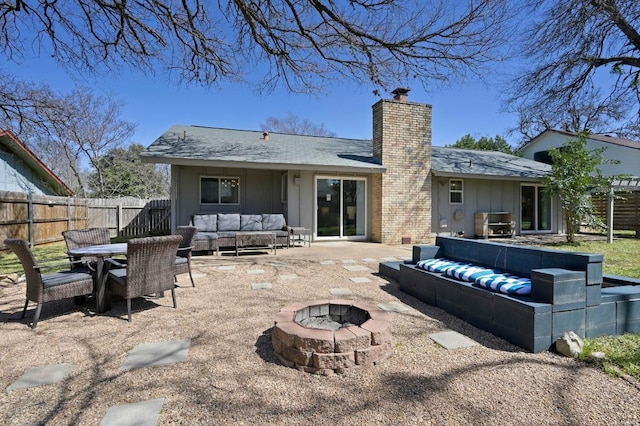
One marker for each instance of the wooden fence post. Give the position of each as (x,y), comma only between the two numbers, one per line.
(119,219)
(30,217)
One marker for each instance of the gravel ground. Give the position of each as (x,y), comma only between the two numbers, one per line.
(231,375)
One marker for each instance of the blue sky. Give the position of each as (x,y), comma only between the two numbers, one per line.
(154,105)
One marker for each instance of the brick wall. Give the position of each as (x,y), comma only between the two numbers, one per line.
(401,197)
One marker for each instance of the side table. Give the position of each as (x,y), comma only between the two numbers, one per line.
(299,233)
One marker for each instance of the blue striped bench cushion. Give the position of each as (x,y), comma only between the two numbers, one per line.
(437,265)
(505,283)
(469,273)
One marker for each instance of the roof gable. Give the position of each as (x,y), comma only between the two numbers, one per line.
(11,142)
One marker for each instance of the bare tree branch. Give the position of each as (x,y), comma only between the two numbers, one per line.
(302,44)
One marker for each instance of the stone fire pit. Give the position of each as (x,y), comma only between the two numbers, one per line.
(331,336)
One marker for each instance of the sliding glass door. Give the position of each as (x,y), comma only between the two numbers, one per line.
(340,207)
(535,213)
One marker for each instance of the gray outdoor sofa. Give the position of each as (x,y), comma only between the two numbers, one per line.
(218,230)
(555,291)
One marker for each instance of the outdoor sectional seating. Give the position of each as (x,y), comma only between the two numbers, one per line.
(564,290)
(217,230)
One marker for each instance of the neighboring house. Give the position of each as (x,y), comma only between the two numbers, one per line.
(393,189)
(21,171)
(627,152)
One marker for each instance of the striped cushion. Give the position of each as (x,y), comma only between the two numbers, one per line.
(437,265)
(505,283)
(469,273)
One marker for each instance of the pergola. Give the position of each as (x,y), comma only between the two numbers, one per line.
(631,183)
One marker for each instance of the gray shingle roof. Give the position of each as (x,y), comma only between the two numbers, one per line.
(454,161)
(208,146)
(195,144)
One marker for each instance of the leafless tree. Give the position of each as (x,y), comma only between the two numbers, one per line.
(295,125)
(72,131)
(589,113)
(584,58)
(302,44)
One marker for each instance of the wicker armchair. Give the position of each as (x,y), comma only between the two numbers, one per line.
(75,238)
(183,258)
(46,287)
(150,269)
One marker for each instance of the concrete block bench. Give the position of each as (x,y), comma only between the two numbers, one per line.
(563,286)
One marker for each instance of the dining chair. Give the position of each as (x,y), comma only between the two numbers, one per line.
(183,256)
(46,287)
(149,270)
(76,238)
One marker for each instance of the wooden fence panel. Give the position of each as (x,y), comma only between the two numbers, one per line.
(626,210)
(41,219)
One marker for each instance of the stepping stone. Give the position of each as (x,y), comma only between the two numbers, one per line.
(277,264)
(255,271)
(39,376)
(369,259)
(227,268)
(356,268)
(155,354)
(393,307)
(348,261)
(360,280)
(144,413)
(261,286)
(288,276)
(342,291)
(389,259)
(198,275)
(327,262)
(452,340)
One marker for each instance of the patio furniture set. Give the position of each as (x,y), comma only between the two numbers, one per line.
(245,232)
(528,296)
(96,266)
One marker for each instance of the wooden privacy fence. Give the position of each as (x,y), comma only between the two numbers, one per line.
(626,210)
(41,219)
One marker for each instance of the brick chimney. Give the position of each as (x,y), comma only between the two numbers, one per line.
(401,197)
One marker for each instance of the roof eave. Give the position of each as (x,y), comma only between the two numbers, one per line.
(263,166)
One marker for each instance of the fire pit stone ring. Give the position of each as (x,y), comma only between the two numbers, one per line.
(331,336)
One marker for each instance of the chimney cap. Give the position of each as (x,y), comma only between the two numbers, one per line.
(265,136)
(401,93)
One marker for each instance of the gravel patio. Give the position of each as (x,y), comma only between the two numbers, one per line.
(231,375)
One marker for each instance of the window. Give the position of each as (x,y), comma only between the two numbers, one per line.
(219,190)
(455,191)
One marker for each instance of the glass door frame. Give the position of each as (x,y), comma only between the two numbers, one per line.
(341,235)
(536,209)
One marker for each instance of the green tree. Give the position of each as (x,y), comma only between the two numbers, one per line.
(124,174)
(575,176)
(483,144)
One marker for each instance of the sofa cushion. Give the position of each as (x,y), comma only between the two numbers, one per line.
(273,222)
(469,273)
(228,221)
(206,236)
(251,222)
(505,283)
(206,222)
(437,265)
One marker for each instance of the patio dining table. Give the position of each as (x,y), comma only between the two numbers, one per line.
(101,252)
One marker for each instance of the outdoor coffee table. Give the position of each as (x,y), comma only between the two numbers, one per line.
(303,234)
(255,241)
(100,252)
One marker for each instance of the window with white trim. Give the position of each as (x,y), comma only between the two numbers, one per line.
(455,191)
(219,190)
